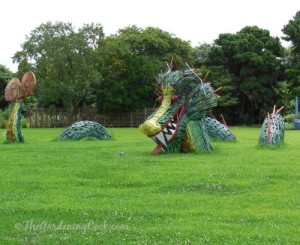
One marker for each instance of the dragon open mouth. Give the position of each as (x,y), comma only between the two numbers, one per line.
(168,132)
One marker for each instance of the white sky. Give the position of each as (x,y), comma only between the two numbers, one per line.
(198,21)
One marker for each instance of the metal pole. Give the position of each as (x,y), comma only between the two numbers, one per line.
(297,107)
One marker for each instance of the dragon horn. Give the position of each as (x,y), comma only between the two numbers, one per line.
(279,109)
(202,85)
(205,78)
(274,108)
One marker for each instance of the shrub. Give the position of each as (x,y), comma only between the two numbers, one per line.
(24,122)
(289,118)
(4,116)
(3,122)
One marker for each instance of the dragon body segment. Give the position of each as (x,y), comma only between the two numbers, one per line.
(272,130)
(13,132)
(84,130)
(181,123)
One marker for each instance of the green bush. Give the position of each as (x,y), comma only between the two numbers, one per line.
(288,126)
(24,122)
(3,122)
(289,118)
(4,116)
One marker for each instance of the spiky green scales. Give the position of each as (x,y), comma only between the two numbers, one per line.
(196,138)
(217,130)
(13,132)
(272,131)
(85,130)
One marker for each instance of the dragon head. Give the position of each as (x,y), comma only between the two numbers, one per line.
(186,100)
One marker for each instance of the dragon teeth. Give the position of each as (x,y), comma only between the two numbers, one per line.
(168,136)
(160,137)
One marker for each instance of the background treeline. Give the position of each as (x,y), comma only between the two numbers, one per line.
(82,68)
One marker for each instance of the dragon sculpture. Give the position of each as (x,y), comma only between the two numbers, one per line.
(272,130)
(17,90)
(182,122)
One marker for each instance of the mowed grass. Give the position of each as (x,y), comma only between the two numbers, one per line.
(84,192)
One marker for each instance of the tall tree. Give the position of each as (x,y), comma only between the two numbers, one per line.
(220,79)
(200,53)
(65,62)
(5,76)
(292,34)
(253,61)
(132,59)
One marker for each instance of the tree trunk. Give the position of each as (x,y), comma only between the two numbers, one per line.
(242,108)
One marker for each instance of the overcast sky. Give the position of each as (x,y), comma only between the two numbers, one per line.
(197,21)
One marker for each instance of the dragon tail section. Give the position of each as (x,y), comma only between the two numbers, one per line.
(218,130)
(196,138)
(13,132)
(272,130)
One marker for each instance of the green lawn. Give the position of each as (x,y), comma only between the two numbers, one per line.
(57,192)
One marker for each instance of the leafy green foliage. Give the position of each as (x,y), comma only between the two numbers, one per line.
(292,33)
(200,54)
(65,62)
(289,118)
(132,58)
(252,59)
(5,76)
(4,116)
(222,82)
(82,68)
(292,62)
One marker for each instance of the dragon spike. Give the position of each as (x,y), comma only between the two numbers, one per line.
(192,70)
(170,67)
(223,121)
(268,128)
(274,108)
(218,89)
(279,110)
(206,76)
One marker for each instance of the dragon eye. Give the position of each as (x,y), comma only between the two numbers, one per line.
(174,98)
(160,99)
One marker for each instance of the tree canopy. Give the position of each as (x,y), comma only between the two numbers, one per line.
(252,59)
(65,62)
(5,76)
(131,59)
(80,67)
(292,34)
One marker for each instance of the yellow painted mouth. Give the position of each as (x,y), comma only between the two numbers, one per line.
(151,127)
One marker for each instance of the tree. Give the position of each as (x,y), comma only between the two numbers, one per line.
(132,59)
(200,54)
(65,62)
(220,79)
(5,76)
(292,61)
(292,33)
(253,61)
